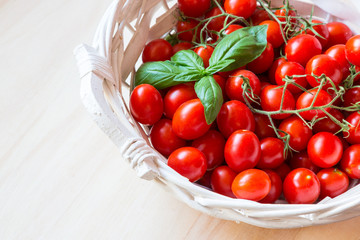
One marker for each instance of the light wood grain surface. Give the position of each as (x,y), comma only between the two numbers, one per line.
(60,176)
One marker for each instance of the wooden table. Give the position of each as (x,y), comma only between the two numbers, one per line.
(60,176)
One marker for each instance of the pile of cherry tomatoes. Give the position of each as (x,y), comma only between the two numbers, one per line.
(248,152)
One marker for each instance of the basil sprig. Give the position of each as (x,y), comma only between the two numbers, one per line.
(233,51)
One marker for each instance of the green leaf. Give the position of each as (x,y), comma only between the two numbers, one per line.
(242,46)
(161,74)
(210,95)
(219,66)
(188,59)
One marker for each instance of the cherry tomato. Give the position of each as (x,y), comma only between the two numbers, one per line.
(176,96)
(157,50)
(302,160)
(338,53)
(146,104)
(221,180)
(234,115)
(262,63)
(216,24)
(353,137)
(325,149)
(323,64)
(221,81)
(232,28)
(299,132)
(322,30)
(251,184)
(290,69)
(205,180)
(242,150)
(262,126)
(164,139)
(327,125)
(204,53)
(333,182)
(188,162)
(301,48)
(283,170)
(189,120)
(305,100)
(182,46)
(186,30)
(301,186)
(339,33)
(194,8)
(211,144)
(353,50)
(276,187)
(351,96)
(274,33)
(350,163)
(271,98)
(272,153)
(273,68)
(233,86)
(240,8)
(259,16)
(283,13)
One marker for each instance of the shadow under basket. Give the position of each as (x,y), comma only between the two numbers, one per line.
(107,68)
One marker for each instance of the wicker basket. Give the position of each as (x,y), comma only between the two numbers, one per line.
(107,69)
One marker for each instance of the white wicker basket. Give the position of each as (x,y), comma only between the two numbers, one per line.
(107,68)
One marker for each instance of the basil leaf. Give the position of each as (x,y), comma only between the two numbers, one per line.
(242,46)
(219,66)
(210,95)
(160,74)
(188,59)
(188,76)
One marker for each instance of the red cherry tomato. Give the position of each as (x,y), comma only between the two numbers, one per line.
(353,50)
(262,63)
(194,8)
(182,46)
(333,182)
(274,33)
(273,68)
(157,50)
(350,163)
(353,137)
(322,30)
(259,16)
(232,28)
(205,180)
(146,104)
(305,100)
(271,97)
(211,144)
(221,81)
(189,120)
(301,48)
(327,125)
(302,160)
(234,115)
(323,64)
(338,53)
(276,187)
(262,129)
(299,132)
(251,184)
(186,30)
(221,180)
(176,96)
(216,24)
(325,149)
(272,153)
(290,69)
(283,13)
(188,162)
(204,53)
(283,170)
(240,8)
(242,150)
(301,186)
(339,33)
(233,86)
(164,139)
(351,96)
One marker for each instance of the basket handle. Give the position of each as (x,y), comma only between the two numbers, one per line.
(94,70)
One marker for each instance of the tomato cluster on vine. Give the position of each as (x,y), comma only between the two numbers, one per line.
(289,124)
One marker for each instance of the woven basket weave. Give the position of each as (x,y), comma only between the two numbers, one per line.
(107,69)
